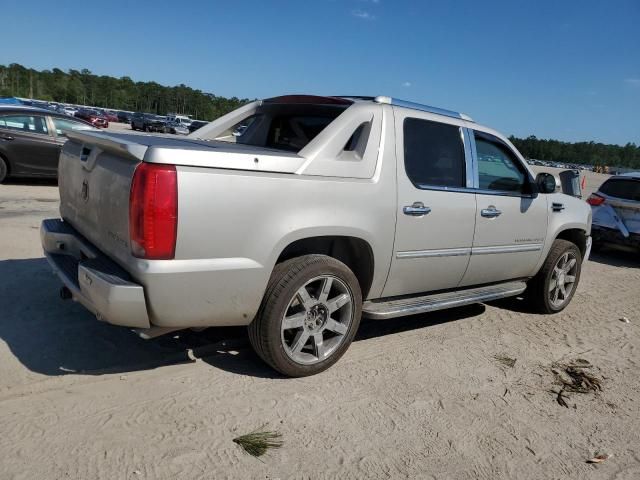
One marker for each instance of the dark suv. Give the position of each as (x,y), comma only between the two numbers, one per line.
(147,122)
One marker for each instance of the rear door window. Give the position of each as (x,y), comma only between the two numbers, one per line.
(622,188)
(433,154)
(64,124)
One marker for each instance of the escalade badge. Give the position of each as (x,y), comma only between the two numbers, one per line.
(85,191)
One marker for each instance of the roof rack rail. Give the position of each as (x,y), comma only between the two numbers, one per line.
(423,108)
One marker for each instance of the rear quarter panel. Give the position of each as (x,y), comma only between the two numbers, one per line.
(233,225)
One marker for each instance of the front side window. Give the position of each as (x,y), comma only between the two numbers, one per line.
(64,124)
(498,167)
(433,154)
(24,123)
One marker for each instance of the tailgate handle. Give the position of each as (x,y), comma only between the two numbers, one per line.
(84,155)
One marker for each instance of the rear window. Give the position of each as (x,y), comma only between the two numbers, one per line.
(288,127)
(622,188)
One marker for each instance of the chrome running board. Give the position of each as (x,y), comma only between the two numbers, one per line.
(399,307)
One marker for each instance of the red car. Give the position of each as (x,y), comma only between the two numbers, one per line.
(110,116)
(93,117)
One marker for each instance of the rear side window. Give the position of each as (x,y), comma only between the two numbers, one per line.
(27,124)
(619,188)
(64,124)
(433,154)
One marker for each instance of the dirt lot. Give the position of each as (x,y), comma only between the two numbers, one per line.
(420,397)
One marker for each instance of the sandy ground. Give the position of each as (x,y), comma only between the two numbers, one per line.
(419,397)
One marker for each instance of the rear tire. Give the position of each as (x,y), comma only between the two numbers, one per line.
(309,315)
(4,170)
(552,289)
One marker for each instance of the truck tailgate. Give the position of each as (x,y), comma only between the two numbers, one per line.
(94,177)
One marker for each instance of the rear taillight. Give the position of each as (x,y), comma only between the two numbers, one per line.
(595,199)
(153,211)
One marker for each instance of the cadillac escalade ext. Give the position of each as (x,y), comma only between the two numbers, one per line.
(298,215)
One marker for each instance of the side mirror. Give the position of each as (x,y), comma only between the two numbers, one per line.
(546,183)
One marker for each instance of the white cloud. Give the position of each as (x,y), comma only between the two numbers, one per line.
(406,84)
(364,15)
(633,81)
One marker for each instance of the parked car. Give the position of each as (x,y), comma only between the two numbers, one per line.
(176,128)
(324,210)
(31,139)
(196,124)
(93,117)
(180,119)
(124,117)
(616,211)
(110,116)
(147,122)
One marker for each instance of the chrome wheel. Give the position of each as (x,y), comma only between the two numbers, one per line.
(563,279)
(317,319)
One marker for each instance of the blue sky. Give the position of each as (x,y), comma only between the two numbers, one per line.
(555,69)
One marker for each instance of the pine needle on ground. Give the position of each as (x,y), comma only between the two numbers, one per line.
(506,361)
(257,443)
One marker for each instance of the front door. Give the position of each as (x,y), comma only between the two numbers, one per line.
(511,220)
(30,146)
(436,214)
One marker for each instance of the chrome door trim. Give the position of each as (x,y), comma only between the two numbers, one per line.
(444,252)
(529,247)
(474,158)
(468,157)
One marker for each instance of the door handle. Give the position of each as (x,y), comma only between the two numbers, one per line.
(416,210)
(490,212)
(7,137)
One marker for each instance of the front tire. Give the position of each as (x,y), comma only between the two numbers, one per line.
(309,315)
(551,290)
(4,170)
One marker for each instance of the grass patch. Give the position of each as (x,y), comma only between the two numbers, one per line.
(257,443)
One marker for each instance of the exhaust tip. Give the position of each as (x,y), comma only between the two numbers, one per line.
(65,293)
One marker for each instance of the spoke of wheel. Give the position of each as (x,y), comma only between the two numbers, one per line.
(326,288)
(318,342)
(569,265)
(337,302)
(300,341)
(553,284)
(563,261)
(336,327)
(305,298)
(563,291)
(293,321)
(554,296)
(569,278)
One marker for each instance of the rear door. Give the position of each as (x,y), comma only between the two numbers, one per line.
(436,212)
(511,220)
(29,144)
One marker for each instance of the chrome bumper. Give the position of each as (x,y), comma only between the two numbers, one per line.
(93,279)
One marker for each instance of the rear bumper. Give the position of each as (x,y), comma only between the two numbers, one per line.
(614,236)
(94,280)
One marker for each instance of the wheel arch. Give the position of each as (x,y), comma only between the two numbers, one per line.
(354,252)
(577,236)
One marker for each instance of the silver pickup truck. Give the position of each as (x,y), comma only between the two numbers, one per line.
(297,215)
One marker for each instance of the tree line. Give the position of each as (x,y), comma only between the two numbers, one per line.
(81,87)
(590,153)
